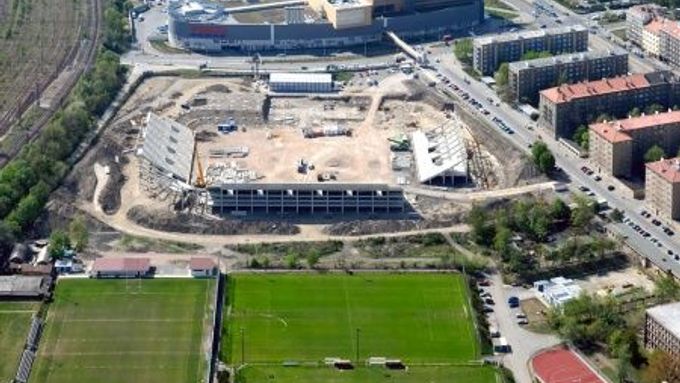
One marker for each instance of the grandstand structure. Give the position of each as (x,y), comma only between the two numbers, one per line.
(440,155)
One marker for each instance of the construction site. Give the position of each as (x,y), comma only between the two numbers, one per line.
(225,147)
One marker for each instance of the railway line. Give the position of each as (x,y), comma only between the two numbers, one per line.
(82,59)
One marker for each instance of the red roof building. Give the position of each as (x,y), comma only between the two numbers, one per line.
(114,267)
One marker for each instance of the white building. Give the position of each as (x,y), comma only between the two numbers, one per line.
(557,291)
(440,155)
(301,82)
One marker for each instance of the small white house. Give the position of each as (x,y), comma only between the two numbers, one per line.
(557,291)
(202,267)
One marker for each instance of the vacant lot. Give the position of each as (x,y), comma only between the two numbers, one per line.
(35,38)
(125,331)
(15,319)
(418,318)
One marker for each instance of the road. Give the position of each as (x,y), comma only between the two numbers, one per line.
(524,343)
(570,164)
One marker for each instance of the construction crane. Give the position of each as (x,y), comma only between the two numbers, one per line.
(200,177)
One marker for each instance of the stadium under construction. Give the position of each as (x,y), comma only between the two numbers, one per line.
(339,170)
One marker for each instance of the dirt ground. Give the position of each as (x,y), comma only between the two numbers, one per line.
(271,130)
(617,282)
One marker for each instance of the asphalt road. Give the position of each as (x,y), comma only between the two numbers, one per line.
(570,164)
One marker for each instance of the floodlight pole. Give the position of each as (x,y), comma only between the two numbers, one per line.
(243,347)
(358,331)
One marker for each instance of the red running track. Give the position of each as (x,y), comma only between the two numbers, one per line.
(563,366)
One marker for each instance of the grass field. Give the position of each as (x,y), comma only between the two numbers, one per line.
(15,319)
(417,374)
(125,331)
(418,318)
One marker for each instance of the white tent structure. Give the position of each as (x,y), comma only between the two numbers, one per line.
(439,154)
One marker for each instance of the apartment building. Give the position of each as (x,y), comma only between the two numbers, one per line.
(618,147)
(651,37)
(490,51)
(662,328)
(662,188)
(565,107)
(527,78)
(636,19)
(669,42)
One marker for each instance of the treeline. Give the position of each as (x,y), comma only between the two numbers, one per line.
(27,180)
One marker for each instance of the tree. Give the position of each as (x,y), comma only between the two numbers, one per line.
(532,55)
(291,260)
(582,136)
(661,367)
(616,215)
(655,153)
(502,74)
(462,49)
(78,233)
(654,108)
(635,112)
(313,259)
(587,320)
(667,289)
(583,213)
(542,157)
(501,239)
(603,117)
(59,242)
(482,231)
(559,211)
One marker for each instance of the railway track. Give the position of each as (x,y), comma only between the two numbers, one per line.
(83,61)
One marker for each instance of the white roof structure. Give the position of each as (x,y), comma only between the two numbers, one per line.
(668,316)
(169,146)
(557,291)
(439,152)
(317,78)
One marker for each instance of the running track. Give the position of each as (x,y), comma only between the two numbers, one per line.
(561,365)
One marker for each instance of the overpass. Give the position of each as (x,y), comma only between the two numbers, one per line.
(420,58)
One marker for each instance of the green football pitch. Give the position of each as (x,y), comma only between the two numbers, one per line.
(118,331)
(418,318)
(15,319)
(414,374)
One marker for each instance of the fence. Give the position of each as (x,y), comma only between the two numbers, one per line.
(28,356)
(216,328)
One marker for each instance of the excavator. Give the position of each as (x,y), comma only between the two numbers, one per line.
(399,143)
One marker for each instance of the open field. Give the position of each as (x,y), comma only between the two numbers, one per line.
(125,331)
(417,374)
(15,319)
(418,318)
(35,39)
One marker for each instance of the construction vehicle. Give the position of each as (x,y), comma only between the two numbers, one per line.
(399,143)
(200,176)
